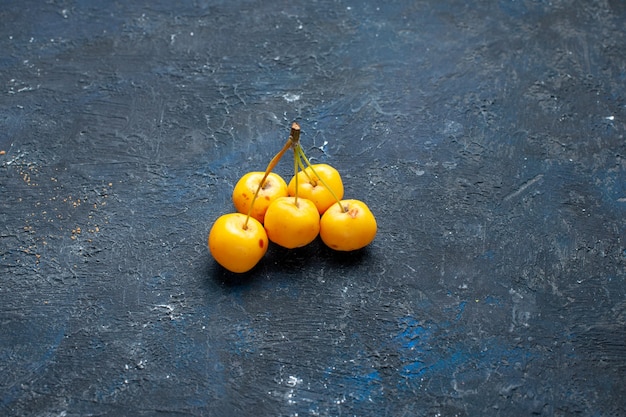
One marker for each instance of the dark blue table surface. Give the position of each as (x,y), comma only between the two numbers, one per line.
(486,136)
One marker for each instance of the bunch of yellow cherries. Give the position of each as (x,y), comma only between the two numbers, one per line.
(289,215)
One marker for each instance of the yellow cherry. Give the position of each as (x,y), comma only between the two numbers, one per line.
(311,187)
(292,224)
(348,227)
(235,247)
(273,187)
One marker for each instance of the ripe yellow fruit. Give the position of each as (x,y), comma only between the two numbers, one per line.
(273,187)
(349,227)
(235,248)
(311,187)
(292,225)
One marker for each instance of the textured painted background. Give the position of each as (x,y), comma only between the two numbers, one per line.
(487,137)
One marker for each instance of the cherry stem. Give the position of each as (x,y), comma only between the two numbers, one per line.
(308,163)
(292,142)
(296,163)
(303,169)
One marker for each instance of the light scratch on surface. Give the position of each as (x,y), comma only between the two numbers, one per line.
(291,97)
(523,187)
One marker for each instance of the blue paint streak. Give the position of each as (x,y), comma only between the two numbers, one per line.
(461,309)
(426,360)
(414,333)
(492,301)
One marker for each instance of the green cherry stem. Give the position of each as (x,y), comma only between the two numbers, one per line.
(296,163)
(292,142)
(303,169)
